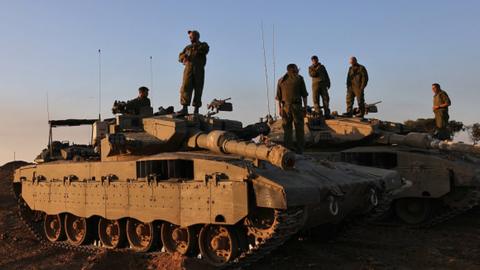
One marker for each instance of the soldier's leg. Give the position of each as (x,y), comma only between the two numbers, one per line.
(316,96)
(299,128)
(439,125)
(445,134)
(325,101)
(187,87)
(199,80)
(350,98)
(287,127)
(360,94)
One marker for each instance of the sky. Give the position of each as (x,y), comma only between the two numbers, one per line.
(52,47)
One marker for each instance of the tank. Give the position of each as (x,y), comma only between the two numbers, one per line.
(193,184)
(444,175)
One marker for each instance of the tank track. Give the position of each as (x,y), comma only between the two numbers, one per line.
(382,209)
(374,215)
(452,210)
(289,222)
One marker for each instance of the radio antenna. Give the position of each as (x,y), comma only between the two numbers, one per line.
(50,135)
(266,70)
(274,74)
(99,85)
(151,73)
(48,109)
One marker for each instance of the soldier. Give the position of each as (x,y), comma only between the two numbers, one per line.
(441,102)
(320,85)
(357,79)
(194,57)
(135,105)
(291,91)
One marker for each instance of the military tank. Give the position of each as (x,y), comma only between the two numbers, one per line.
(444,175)
(192,184)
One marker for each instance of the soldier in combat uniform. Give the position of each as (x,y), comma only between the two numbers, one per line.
(194,57)
(357,79)
(320,85)
(441,102)
(135,105)
(291,92)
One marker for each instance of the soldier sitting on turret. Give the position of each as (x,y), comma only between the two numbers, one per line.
(137,105)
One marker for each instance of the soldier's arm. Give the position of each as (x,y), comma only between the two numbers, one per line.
(304,93)
(327,77)
(279,98)
(203,48)
(365,78)
(311,72)
(182,56)
(445,100)
(349,83)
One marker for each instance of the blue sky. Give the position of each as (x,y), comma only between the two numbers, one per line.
(51,46)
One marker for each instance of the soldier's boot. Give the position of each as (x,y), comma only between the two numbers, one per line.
(327,113)
(183,111)
(361,112)
(348,113)
(195,111)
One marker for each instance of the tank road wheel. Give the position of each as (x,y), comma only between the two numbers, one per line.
(413,210)
(178,239)
(142,237)
(53,228)
(111,233)
(260,225)
(76,229)
(218,244)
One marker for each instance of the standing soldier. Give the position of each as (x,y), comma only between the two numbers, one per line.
(441,102)
(194,57)
(357,79)
(320,86)
(291,91)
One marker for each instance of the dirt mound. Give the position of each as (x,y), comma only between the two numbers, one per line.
(10,167)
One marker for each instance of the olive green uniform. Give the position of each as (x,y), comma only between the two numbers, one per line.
(320,86)
(441,114)
(290,91)
(135,105)
(357,79)
(195,57)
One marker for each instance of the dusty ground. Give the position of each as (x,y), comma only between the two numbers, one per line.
(452,245)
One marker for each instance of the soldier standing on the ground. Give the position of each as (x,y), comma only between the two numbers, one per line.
(357,79)
(320,85)
(194,57)
(291,92)
(441,102)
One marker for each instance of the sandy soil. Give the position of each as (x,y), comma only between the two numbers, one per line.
(452,245)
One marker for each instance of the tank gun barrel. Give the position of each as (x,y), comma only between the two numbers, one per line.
(223,142)
(425,141)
